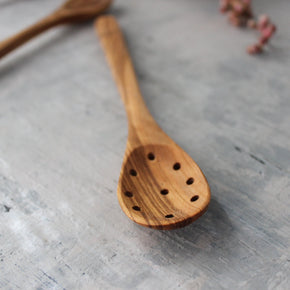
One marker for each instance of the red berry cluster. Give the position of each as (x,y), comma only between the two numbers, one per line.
(240,14)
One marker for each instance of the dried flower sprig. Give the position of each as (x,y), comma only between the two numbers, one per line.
(240,14)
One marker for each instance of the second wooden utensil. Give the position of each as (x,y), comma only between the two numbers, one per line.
(160,186)
(71,11)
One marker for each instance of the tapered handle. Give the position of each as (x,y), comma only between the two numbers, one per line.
(121,65)
(20,38)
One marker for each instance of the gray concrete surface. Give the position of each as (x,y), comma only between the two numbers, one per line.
(62,139)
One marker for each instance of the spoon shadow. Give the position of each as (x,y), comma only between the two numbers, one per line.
(208,238)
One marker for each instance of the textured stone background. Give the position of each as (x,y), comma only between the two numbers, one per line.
(63,133)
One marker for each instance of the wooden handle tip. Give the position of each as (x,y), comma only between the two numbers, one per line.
(106,24)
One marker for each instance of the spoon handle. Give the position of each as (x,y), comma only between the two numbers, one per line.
(20,38)
(121,65)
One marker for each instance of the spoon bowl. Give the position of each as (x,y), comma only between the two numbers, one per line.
(160,186)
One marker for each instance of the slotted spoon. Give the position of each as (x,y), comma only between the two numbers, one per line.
(160,186)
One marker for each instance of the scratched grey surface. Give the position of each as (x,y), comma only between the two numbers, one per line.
(63,133)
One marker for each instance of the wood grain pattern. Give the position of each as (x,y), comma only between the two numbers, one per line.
(160,186)
(71,11)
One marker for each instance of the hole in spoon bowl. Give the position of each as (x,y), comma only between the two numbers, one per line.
(169,216)
(137,208)
(164,191)
(133,172)
(128,194)
(151,156)
(190,181)
(176,166)
(194,198)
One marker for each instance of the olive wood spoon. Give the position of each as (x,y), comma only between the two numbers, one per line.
(160,186)
(70,11)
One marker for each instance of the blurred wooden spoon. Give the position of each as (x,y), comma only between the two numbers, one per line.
(71,11)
